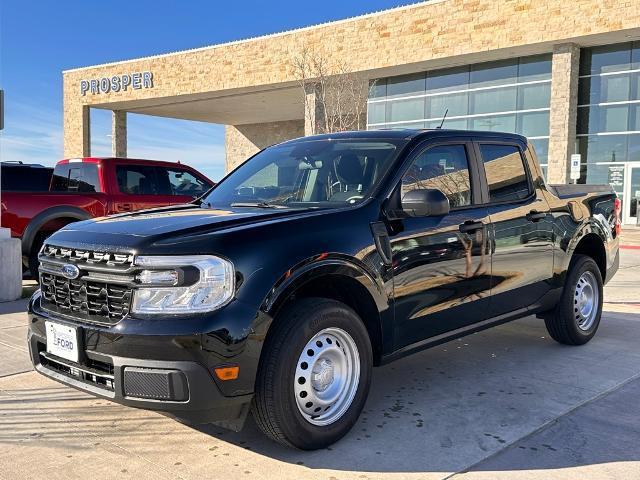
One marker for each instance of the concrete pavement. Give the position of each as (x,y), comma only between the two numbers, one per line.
(503,403)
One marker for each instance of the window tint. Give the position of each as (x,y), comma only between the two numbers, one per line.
(75,177)
(25,179)
(445,168)
(185,183)
(506,176)
(138,180)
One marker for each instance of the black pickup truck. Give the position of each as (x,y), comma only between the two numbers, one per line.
(314,261)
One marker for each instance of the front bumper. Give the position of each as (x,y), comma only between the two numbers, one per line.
(167,371)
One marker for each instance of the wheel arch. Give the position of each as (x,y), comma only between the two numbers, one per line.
(75,214)
(342,280)
(591,245)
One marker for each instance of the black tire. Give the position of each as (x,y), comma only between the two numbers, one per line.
(564,323)
(34,263)
(274,406)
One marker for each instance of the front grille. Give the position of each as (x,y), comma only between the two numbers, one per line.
(100,294)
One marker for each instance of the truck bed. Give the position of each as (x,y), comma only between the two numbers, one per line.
(578,190)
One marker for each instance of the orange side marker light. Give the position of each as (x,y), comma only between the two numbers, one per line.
(227,373)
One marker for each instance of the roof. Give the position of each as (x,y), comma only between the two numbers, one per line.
(407,134)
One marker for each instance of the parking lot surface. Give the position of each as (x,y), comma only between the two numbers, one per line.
(504,403)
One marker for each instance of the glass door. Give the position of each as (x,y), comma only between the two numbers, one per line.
(633,195)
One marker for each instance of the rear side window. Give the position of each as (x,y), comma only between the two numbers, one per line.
(138,180)
(445,168)
(25,179)
(506,176)
(75,177)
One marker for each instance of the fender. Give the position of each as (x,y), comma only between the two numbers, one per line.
(45,216)
(591,226)
(333,264)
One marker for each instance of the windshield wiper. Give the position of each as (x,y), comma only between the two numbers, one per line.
(256,205)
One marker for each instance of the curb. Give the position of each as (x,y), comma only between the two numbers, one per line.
(630,247)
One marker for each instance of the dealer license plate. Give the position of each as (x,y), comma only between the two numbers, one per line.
(62,341)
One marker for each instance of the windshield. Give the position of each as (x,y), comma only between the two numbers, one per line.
(321,173)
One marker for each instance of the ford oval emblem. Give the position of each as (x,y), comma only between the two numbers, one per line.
(70,271)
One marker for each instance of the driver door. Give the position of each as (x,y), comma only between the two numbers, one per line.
(442,265)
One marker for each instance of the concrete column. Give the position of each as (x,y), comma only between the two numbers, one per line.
(314,113)
(119,134)
(242,141)
(564,110)
(77,131)
(10,266)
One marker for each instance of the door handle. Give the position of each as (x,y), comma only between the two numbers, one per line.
(535,216)
(124,207)
(470,226)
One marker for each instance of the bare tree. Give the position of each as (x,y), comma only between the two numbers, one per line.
(334,96)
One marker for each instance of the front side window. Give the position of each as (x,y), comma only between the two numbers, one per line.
(506,176)
(185,183)
(313,173)
(445,168)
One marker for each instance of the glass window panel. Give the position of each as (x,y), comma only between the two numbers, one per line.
(456,103)
(603,148)
(533,124)
(541,146)
(401,110)
(494,73)
(406,85)
(589,90)
(494,100)
(534,96)
(445,168)
(635,86)
(534,68)
(498,123)
(633,154)
(608,58)
(597,119)
(634,117)
(544,171)
(448,80)
(376,112)
(635,56)
(378,88)
(453,124)
(615,88)
(411,125)
(506,177)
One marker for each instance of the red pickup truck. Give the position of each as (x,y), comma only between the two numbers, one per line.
(84,188)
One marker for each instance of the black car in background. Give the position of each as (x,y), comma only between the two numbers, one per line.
(309,264)
(24,177)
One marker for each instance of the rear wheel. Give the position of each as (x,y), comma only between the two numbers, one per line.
(314,374)
(577,315)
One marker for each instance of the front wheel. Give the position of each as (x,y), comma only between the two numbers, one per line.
(577,315)
(314,374)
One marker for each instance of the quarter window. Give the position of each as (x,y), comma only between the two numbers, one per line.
(445,168)
(506,176)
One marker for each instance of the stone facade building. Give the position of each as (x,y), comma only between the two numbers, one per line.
(565,74)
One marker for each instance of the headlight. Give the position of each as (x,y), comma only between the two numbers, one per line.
(213,286)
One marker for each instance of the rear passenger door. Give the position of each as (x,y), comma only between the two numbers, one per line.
(522,235)
(441,265)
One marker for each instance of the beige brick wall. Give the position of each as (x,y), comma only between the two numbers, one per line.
(119,134)
(242,141)
(563,110)
(418,37)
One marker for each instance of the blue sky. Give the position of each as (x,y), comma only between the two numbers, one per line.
(41,38)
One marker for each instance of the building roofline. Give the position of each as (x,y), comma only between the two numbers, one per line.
(261,37)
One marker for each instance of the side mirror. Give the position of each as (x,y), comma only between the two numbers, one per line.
(425,202)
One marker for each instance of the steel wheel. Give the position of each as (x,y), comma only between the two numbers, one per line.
(327,376)
(586,298)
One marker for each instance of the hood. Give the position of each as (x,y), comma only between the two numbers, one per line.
(132,230)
